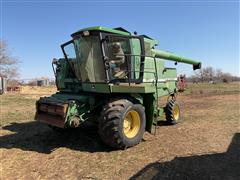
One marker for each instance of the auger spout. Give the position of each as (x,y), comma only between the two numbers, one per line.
(172,57)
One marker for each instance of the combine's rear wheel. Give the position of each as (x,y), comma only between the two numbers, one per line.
(173,114)
(122,124)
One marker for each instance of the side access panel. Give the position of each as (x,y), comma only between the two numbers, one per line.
(166,85)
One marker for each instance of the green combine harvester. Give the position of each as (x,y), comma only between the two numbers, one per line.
(115,79)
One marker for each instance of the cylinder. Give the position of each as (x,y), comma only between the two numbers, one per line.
(172,57)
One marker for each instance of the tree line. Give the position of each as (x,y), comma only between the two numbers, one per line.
(211,75)
(9,65)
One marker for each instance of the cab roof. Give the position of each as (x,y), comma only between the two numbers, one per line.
(119,30)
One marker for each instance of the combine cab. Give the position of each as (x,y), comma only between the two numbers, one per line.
(115,79)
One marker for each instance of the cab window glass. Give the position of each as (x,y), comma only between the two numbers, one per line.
(72,58)
(90,63)
(123,57)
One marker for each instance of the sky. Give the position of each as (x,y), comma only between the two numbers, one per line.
(203,30)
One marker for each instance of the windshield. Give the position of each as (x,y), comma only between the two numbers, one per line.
(85,58)
(124,57)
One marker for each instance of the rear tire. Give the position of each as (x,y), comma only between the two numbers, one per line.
(173,114)
(122,124)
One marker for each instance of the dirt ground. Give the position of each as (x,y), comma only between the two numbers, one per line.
(205,146)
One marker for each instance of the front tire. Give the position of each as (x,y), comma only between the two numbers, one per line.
(122,124)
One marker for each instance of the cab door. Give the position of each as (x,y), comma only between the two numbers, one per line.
(124,58)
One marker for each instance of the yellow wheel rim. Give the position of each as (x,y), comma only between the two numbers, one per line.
(176,112)
(131,124)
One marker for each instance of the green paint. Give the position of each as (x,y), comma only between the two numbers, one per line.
(98,88)
(169,56)
(133,88)
(76,109)
(82,82)
(105,29)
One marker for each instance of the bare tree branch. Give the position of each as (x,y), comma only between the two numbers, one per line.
(9,66)
(209,74)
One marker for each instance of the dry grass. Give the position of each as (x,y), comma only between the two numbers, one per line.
(193,149)
(20,106)
(36,90)
(213,89)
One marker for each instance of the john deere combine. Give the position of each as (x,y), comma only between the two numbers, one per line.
(115,79)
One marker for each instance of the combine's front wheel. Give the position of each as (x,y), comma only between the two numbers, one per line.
(122,124)
(173,114)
